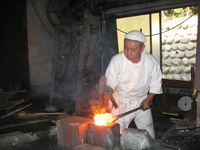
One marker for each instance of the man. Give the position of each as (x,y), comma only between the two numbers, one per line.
(133,79)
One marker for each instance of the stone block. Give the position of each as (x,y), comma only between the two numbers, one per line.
(193,61)
(174,47)
(172,70)
(167,62)
(106,136)
(173,54)
(163,48)
(179,69)
(165,55)
(169,76)
(190,46)
(185,61)
(187,70)
(72,131)
(163,41)
(180,54)
(181,47)
(165,69)
(185,40)
(177,39)
(169,40)
(89,137)
(135,139)
(168,48)
(176,76)
(190,54)
(193,38)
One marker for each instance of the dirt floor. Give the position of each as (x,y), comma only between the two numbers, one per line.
(44,143)
(44,140)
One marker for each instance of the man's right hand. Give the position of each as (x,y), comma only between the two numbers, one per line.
(107,94)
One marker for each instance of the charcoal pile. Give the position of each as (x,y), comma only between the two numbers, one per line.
(185,142)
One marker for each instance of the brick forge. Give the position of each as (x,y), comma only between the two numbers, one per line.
(75,130)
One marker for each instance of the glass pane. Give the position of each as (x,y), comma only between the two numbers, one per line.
(155,29)
(179,40)
(133,23)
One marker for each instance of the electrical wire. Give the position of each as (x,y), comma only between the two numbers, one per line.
(40,19)
(121,31)
(169,29)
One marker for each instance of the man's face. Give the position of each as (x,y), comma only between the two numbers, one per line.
(132,50)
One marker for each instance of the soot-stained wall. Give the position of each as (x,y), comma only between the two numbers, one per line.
(14,65)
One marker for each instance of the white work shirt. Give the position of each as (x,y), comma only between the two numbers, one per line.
(131,84)
(127,84)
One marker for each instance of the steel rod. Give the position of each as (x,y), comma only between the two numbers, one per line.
(128,112)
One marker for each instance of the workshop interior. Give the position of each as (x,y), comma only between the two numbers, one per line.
(53,59)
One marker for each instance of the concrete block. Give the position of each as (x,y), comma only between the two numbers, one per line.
(89,137)
(135,139)
(106,136)
(88,147)
(72,131)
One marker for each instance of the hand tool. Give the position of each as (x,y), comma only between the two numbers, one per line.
(128,112)
(101,89)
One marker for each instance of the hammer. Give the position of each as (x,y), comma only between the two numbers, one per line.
(101,89)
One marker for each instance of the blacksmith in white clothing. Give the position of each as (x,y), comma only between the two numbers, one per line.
(133,79)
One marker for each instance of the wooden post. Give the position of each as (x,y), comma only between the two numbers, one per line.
(198,110)
(197,71)
(53,74)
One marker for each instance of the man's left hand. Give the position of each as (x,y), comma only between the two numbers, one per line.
(147,102)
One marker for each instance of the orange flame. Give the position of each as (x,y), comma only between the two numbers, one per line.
(103,119)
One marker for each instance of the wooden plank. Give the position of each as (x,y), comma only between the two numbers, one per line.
(176,83)
(173,83)
(13,112)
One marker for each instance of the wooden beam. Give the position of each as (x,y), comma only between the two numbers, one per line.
(150,7)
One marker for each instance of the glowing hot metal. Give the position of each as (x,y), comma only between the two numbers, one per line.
(103,119)
(107,118)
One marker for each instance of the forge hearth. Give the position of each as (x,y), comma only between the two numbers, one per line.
(75,130)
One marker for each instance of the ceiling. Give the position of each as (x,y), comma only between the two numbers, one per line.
(122,8)
(119,3)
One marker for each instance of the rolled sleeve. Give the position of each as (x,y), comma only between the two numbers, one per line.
(111,73)
(156,79)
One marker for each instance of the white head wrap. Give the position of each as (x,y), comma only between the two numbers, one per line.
(136,35)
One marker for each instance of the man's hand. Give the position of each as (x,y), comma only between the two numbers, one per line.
(107,94)
(147,102)
(108,91)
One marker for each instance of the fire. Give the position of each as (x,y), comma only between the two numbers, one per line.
(103,119)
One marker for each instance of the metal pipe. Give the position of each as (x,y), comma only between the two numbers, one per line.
(128,112)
